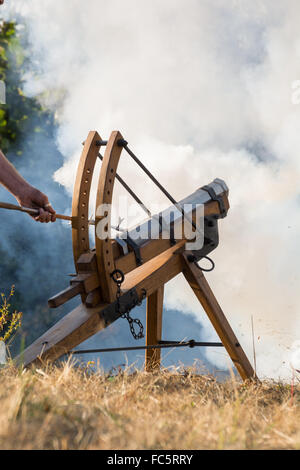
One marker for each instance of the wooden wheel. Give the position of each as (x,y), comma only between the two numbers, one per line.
(101,262)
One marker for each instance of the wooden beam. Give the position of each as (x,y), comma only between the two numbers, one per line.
(84,322)
(201,288)
(156,272)
(65,295)
(154,328)
(71,330)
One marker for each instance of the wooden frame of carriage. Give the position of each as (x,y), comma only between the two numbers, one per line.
(119,273)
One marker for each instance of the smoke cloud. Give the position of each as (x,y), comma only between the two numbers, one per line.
(200,90)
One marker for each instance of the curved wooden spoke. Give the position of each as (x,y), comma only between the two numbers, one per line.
(104,249)
(81,196)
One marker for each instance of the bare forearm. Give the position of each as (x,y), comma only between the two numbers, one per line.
(26,195)
(11,179)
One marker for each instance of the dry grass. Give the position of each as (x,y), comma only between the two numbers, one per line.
(66,408)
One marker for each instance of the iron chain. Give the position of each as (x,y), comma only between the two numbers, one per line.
(118,277)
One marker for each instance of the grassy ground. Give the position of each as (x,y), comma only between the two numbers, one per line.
(66,408)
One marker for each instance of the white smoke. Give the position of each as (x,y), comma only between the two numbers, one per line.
(200,90)
(295,356)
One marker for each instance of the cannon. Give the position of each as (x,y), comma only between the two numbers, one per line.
(116,273)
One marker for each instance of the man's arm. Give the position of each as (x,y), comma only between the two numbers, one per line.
(26,195)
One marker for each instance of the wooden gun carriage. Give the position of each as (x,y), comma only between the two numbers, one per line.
(118,273)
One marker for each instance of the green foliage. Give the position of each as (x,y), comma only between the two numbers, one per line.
(9,322)
(15,117)
(26,127)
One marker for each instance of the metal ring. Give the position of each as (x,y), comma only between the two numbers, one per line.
(114,275)
(203,269)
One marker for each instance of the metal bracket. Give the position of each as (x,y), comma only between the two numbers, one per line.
(115,310)
(123,245)
(136,250)
(172,235)
(215,197)
(211,238)
(169,227)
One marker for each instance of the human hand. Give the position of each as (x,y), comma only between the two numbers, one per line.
(34,199)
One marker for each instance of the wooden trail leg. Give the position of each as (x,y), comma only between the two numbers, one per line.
(201,288)
(154,328)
